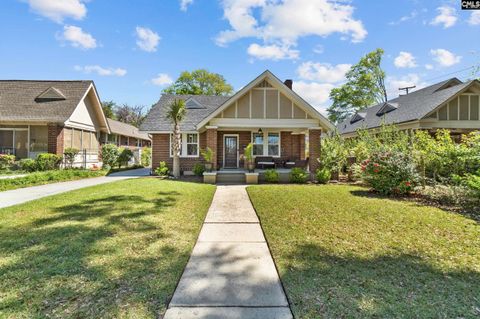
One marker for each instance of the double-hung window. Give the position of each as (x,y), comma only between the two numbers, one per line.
(188,145)
(266,144)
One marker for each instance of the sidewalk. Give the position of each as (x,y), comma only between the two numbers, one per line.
(22,195)
(230,273)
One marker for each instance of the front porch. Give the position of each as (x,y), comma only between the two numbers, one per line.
(239,175)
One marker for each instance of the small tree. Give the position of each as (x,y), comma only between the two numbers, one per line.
(146,156)
(248,154)
(69,154)
(176,114)
(109,155)
(124,156)
(207,155)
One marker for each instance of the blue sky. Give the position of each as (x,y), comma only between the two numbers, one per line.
(133,49)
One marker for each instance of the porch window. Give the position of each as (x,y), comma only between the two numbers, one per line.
(257,144)
(273,144)
(188,145)
(38,139)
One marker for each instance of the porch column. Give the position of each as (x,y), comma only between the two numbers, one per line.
(55,139)
(314,148)
(301,144)
(212,143)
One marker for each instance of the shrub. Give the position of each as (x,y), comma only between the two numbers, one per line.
(472,182)
(109,155)
(6,161)
(271,176)
(162,169)
(298,175)
(146,156)
(198,169)
(124,156)
(48,161)
(207,154)
(69,154)
(390,172)
(323,175)
(28,164)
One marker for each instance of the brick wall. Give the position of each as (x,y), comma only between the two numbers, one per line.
(212,142)
(314,148)
(55,139)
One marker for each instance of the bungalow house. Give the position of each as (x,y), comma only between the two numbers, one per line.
(265,112)
(126,135)
(450,104)
(49,116)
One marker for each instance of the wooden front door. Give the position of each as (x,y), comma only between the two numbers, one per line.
(231,152)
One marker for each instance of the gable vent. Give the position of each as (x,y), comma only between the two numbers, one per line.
(386,108)
(357,117)
(51,94)
(191,103)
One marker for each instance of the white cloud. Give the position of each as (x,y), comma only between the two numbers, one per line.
(101,70)
(272,52)
(318,49)
(184,4)
(445,57)
(77,37)
(474,18)
(447,17)
(410,16)
(405,60)
(285,22)
(317,94)
(147,40)
(323,72)
(428,66)
(162,79)
(58,10)
(394,83)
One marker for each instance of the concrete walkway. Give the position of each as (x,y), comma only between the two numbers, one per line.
(22,195)
(230,273)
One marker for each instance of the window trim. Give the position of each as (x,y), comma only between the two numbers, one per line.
(265,143)
(183,148)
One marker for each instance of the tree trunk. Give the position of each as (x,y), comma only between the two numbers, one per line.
(176,150)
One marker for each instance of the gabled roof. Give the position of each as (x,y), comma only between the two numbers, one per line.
(192,103)
(278,84)
(156,120)
(387,107)
(120,128)
(19,99)
(411,107)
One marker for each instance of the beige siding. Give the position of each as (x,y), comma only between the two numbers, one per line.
(464,107)
(243,108)
(272,104)
(257,104)
(443,113)
(474,107)
(229,112)
(453,110)
(298,113)
(285,107)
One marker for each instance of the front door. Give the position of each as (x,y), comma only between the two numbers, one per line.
(231,151)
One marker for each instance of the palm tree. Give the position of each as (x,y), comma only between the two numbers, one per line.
(176,114)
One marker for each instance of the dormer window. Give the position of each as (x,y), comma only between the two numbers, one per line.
(386,108)
(357,117)
(51,94)
(191,103)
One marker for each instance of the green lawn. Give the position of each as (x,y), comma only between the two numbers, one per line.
(343,253)
(110,251)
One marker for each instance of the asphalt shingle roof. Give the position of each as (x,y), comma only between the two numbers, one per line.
(410,107)
(18,100)
(125,129)
(156,119)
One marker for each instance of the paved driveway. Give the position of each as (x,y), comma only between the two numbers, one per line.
(22,195)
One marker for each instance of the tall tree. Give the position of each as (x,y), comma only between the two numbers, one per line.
(176,114)
(199,82)
(365,86)
(133,115)
(109,109)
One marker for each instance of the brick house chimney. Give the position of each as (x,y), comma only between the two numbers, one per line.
(288,83)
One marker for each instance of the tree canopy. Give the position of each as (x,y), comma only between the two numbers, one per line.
(199,82)
(109,109)
(365,86)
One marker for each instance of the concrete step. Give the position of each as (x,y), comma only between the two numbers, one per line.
(230,178)
(228,312)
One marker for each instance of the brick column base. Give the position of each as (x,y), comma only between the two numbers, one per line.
(212,143)
(314,149)
(55,139)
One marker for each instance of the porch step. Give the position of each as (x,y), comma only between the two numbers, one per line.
(230,178)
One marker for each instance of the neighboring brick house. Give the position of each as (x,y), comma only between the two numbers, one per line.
(450,104)
(126,135)
(265,112)
(49,116)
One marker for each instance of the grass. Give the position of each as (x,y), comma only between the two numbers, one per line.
(108,251)
(48,177)
(344,253)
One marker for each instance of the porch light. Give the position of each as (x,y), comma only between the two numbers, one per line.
(260,131)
